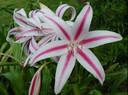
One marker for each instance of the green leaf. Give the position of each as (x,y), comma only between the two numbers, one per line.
(3,90)
(95,92)
(46,80)
(4,58)
(119,80)
(16,48)
(111,68)
(122,93)
(3,47)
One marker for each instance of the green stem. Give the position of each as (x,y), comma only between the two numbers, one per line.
(10,57)
(76,89)
(9,64)
(73,81)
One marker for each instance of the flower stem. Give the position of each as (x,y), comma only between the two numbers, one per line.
(76,89)
(74,80)
(10,57)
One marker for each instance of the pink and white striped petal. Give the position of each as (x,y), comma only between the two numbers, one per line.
(33,47)
(43,11)
(82,23)
(31,31)
(20,19)
(59,26)
(45,39)
(70,23)
(100,37)
(35,22)
(63,71)
(13,31)
(62,8)
(32,13)
(89,61)
(22,12)
(26,47)
(35,84)
(51,49)
(55,38)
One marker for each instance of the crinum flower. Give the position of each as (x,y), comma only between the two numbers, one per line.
(74,44)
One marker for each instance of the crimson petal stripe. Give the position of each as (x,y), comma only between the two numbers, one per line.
(33,45)
(46,40)
(34,82)
(61,28)
(50,50)
(89,40)
(61,10)
(65,66)
(79,30)
(32,30)
(21,20)
(85,57)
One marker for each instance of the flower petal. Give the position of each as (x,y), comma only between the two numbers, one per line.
(33,45)
(20,18)
(35,22)
(62,8)
(100,37)
(63,71)
(52,49)
(32,31)
(32,13)
(59,26)
(45,39)
(35,84)
(89,61)
(45,11)
(82,22)
(26,47)
(13,31)
(70,23)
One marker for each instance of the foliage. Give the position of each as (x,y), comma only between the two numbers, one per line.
(108,14)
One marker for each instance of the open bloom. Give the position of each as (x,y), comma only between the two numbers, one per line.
(75,44)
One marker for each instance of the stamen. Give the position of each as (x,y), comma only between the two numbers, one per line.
(18,30)
(72,45)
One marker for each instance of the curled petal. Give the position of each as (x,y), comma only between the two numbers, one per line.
(89,61)
(82,22)
(12,32)
(62,8)
(63,71)
(45,11)
(21,12)
(19,18)
(32,13)
(52,49)
(100,37)
(20,38)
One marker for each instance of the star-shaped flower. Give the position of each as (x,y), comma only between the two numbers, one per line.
(74,44)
